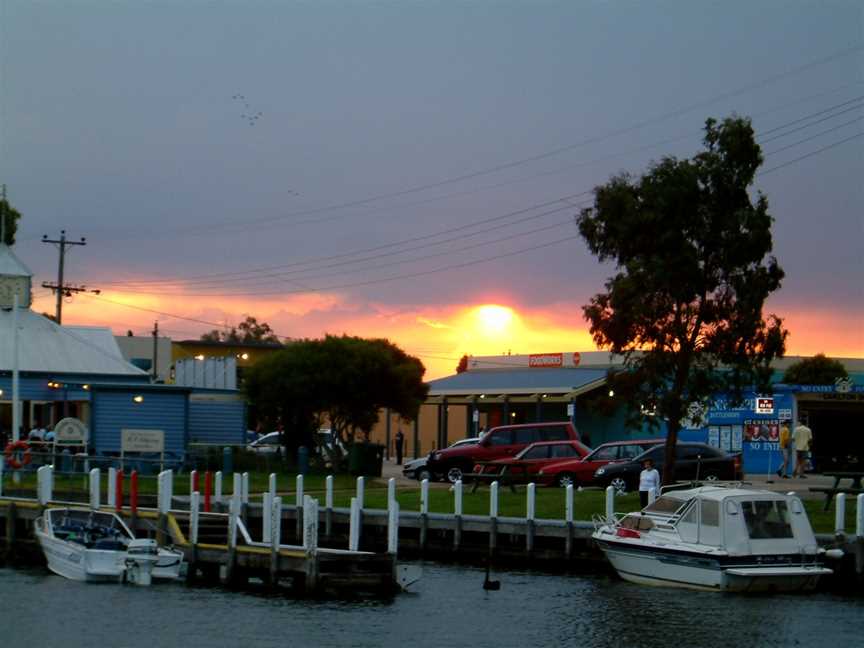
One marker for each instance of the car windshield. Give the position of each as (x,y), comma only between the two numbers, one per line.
(604,453)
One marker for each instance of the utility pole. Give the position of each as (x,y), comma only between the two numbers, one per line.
(59,288)
(155,348)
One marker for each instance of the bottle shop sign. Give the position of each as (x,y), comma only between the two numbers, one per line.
(764,405)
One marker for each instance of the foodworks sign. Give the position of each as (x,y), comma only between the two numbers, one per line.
(546,360)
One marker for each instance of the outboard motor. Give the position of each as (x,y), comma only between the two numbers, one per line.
(141,556)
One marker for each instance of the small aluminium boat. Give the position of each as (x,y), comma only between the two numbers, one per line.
(94,546)
(717,538)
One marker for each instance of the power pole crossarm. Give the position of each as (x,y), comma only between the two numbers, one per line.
(60,289)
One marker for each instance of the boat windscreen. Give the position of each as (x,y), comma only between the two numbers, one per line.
(665,505)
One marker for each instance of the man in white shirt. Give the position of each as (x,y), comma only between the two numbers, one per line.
(802,437)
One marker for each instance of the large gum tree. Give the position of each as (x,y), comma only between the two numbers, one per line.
(691,248)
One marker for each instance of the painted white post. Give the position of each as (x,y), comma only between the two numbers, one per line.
(840,513)
(245,488)
(271,486)
(266,516)
(361,488)
(276,522)
(354,528)
(94,488)
(299,501)
(194,516)
(44,484)
(493,500)
(457,497)
(568,503)
(391,491)
(859,516)
(393,528)
(531,501)
(610,504)
(424,497)
(165,490)
(310,524)
(217,488)
(192,475)
(112,487)
(328,492)
(233,515)
(236,491)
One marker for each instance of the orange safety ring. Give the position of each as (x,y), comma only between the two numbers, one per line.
(13,449)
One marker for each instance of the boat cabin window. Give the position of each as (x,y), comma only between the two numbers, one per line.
(767,519)
(709,523)
(665,505)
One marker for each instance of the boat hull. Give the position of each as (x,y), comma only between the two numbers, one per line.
(78,563)
(701,572)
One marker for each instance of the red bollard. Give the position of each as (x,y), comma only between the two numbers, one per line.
(119,490)
(195,481)
(208,485)
(133,492)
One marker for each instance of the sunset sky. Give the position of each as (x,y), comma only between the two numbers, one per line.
(411,170)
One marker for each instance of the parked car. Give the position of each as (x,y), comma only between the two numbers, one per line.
(580,472)
(265,444)
(692,461)
(537,456)
(417,468)
(497,443)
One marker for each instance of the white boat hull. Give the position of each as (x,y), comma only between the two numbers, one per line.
(78,563)
(697,571)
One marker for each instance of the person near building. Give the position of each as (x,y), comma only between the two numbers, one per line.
(801,438)
(649,480)
(787,448)
(37,434)
(400,444)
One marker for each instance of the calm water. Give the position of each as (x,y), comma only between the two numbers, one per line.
(449,608)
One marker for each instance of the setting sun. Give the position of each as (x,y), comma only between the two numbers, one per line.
(493,319)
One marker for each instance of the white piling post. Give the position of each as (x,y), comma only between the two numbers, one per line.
(424,497)
(457,497)
(299,501)
(237,492)
(361,488)
(354,528)
(271,486)
(266,516)
(245,488)
(391,491)
(44,484)
(166,490)
(393,528)
(217,488)
(194,516)
(493,500)
(310,524)
(840,513)
(112,487)
(233,515)
(276,522)
(568,503)
(94,488)
(610,504)
(531,505)
(859,516)
(328,492)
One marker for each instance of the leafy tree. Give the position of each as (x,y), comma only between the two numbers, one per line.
(248,331)
(462,367)
(817,370)
(11,216)
(341,379)
(693,271)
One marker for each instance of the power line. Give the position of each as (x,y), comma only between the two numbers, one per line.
(811,154)
(819,134)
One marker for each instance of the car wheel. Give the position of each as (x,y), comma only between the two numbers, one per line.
(454,474)
(566,479)
(619,484)
(424,473)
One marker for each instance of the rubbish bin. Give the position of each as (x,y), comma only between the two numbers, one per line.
(227,461)
(303,460)
(366,459)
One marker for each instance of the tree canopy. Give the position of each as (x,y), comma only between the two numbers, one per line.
(10,216)
(342,380)
(691,251)
(248,331)
(818,370)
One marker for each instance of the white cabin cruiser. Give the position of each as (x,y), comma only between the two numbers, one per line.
(716,538)
(94,546)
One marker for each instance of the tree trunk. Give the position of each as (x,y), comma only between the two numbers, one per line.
(671,441)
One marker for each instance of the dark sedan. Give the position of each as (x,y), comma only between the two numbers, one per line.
(692,461)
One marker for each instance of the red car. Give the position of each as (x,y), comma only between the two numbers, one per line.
(580,472)
(535,457)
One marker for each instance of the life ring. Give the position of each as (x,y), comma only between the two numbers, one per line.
(13,449)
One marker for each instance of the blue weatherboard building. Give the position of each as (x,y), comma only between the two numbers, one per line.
(79,372)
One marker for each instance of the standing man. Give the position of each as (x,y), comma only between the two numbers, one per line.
(786,450)
(400,442)
(801,439)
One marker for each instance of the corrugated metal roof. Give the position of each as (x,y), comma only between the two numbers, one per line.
(11,264)
(517,381)
(48,348)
